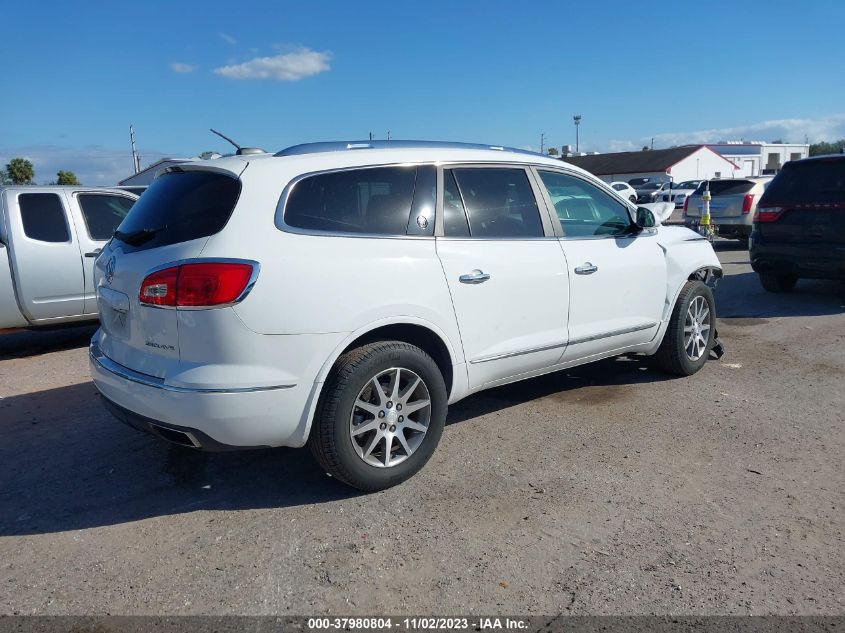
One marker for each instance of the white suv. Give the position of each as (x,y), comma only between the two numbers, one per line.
(342,295)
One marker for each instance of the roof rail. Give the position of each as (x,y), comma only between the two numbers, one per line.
(342,146)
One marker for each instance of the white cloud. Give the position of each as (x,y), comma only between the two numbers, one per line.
(828,128)
(93,165)
(288,67)
(791,130)
(228,38)
(179,67)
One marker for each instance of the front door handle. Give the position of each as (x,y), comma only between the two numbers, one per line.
(586,269)
(475,277)
(94,253)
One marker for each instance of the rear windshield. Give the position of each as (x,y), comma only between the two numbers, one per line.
(179,207)
(808,182)
(727,187)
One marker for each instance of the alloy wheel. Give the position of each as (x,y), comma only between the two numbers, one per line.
(390,417)
(697,328)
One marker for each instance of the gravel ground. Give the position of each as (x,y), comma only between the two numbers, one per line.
(606,489)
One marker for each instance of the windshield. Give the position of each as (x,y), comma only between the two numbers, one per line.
(178,207)
(687,184)
(808,182)
(727,187)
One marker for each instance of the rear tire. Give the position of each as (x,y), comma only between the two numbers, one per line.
(691,332)
(356,431)
(777,283)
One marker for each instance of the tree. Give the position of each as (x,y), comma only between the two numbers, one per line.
(67,178)
(20,171)
(824,147)
(553,151)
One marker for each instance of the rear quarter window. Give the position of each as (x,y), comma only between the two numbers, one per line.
(371,201)
(179,207)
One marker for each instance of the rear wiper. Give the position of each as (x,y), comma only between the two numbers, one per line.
(136,238)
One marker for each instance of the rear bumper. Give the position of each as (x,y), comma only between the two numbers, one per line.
(807,261)
(737,227)
(211,419)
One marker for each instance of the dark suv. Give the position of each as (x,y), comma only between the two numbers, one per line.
(799,226)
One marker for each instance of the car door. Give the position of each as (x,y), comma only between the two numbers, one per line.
(617,276)
(504,269)
(97,215)
(45,255)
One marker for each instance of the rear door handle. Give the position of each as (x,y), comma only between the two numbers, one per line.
(94,253)
(475,277)
(586,269)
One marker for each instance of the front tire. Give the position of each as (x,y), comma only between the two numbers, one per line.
(778,283)
(380,416)
(691,332)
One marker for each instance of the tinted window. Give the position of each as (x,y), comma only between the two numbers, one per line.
(179,207)
(499,202)
(43,217)
(103,214)
(454,214)
(809,182)
(620,187)
(376,200)
(584,209)
(726,187)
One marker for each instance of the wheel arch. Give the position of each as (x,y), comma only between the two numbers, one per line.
(415,331)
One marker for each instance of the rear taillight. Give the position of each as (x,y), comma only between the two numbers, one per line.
(197,285)
(747,202)
(767,214)
(686,204)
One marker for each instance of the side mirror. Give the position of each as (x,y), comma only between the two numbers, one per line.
(645,218)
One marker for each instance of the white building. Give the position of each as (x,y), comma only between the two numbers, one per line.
(689,162)
(755,158)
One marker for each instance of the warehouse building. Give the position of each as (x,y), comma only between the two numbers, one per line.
(755,158)
(678,164)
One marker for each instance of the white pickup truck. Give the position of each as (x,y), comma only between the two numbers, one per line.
(49,237)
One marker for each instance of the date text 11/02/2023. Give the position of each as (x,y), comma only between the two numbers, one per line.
(418,623)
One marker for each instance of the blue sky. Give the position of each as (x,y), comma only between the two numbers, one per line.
(273,74)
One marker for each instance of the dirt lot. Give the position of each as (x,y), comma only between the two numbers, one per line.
(603,490)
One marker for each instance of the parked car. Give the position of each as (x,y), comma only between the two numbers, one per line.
(625,190)
(342,295)
(732,205)
(49,237)
(799,226)
(638,182)
(651,191)
(677,193)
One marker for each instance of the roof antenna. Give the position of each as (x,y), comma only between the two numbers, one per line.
(239,151)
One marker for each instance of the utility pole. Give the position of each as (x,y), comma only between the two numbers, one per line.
(577,120)
(388,135)
(542,141)
(371,136)
(136,160)
(652,142)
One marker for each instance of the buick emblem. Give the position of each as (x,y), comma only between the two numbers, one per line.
(110,270)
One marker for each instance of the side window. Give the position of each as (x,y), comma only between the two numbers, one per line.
(619,187)
(372,200)
(43,217)
(103,213)
(583,209)
(454,214)
(499,202)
